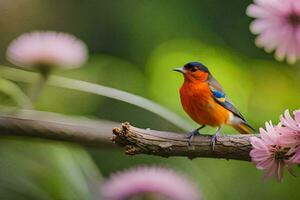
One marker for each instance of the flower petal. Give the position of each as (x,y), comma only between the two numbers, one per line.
(297,116)
(296,157)
(266,164)
(257,11)
(279,171)
(271,171)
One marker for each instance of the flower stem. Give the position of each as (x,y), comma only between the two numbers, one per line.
(62,82)
(121,96)
(38,87)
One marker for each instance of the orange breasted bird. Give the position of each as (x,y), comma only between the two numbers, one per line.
(204,100)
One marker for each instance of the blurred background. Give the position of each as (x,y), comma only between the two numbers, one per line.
(134,45)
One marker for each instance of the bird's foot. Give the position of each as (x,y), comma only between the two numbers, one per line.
(194,133)
(213,141)
(191,136)
(215,137)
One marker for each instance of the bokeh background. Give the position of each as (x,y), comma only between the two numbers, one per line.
(133,46)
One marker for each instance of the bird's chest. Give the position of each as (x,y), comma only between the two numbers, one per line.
(198,103)
(195,99)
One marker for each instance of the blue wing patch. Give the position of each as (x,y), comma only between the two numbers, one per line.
(219,96)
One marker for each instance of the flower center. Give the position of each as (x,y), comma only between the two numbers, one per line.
(280,153)
(294,19)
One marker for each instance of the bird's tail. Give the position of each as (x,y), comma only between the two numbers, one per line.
(243,128)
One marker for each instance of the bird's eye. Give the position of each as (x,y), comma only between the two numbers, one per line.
(193,69)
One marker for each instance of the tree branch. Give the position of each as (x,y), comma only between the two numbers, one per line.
(141,141)
(57,127)
(134,140)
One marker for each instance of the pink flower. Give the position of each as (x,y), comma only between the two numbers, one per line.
(290,129)
(278,25)
(268,155)
(47,49)
(296,157)
(148,181)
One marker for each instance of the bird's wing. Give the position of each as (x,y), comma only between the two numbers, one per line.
(220,97)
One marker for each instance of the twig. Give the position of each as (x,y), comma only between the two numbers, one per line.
(141,141)
(57,127)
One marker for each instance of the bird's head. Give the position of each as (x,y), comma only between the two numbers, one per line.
(194,72)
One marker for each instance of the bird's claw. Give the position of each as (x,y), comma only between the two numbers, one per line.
(190,136)
(213,141)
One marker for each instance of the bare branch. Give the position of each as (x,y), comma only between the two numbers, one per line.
(57,127)
(141,141)
(134,140)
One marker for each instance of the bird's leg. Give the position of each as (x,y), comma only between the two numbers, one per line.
(215,137)
(193,133)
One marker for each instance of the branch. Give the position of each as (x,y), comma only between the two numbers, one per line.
(57,127)
(134,140)
(141,141)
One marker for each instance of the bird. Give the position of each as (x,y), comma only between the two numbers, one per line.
(204,100)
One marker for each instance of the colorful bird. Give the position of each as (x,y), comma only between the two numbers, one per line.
(204,100)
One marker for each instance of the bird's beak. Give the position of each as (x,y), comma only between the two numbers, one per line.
(179,69)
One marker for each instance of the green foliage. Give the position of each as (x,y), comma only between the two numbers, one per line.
(15,94)
(39,169)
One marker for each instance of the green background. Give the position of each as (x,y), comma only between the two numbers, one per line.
(134,45)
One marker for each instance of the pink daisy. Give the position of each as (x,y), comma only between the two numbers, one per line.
(268,155)
(277,24)
(47,49)
(153,181)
